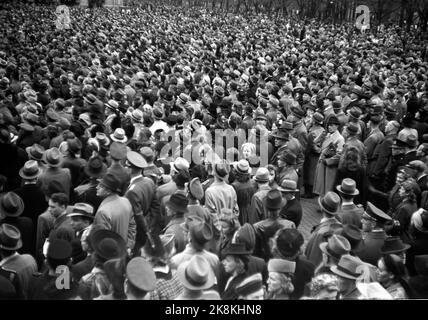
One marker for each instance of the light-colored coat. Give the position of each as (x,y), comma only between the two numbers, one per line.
(325,174)
(220,195)
(115,214)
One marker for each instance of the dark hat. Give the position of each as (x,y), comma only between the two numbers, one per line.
(274,200)
(200,231)
(286,125)
(221,170)
(236,249)
(196,189)
(54,186)
(289,241)
(348,187)
(352,128)
(298,112)
(136,159)
(157,113)
(178,202)
(95,167)
(376,118)
(196,273)
(10,237)
(35,152)
(140,274)
(243,166)
(329,203)
(333,120)
(108,244)
(281,134)
(53,157)
(336,246)
(331,96)
(59,250)
(348,267)
(74,145)
(249,285)
(90,99)
(111,182)
(318,118)
(11,205)
(355,112)
(289,158)
(421,264)
(246,235)
(390,110)
(288,186)
(412,141)
(118,151)
(30,170)
(353,234)
(81,209)
(337,105)
(393,245)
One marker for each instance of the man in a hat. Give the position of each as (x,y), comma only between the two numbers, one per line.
(115,212)
(11,209)
(352,141)
(44,286)
(373,221)
(286,244)
(197,279)
(348,270)
(82,216)
(312,153)
(287,168)
(349,213)
(354,115)
(331,149)
(265,229)
(118,153)
(23,264)
(158,121)
(419,170)
(167,189)
(292,210)
(332,250)
(54,171)
(329,205)
(87,192)
(221,195)
(257,209)
(374,138)
(30,192)
(141,193)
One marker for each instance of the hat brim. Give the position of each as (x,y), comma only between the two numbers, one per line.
(334,213)
(342,274)
(24,176)
(17,247)
(355,193)
(124,140)
(287,190)
(175,208)
(99,235)
(93,174)
(405,248)
(261,180)
(181,273)
(54,165)
(15,214)
(75,214)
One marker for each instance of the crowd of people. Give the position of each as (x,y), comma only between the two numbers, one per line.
(165,154)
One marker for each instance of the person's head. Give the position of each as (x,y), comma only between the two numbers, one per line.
(281,273)
(58,203)
(329,204)
(110,184)
(392,127)
(236,258)
(140,279)
(251,288)
(248,150)
(347,270)
(58,254)
(406,190)
(347,189)
(402,176)
(286,243)
(324,286)
(81,216)
(333,124)
(177,204)
(390,270)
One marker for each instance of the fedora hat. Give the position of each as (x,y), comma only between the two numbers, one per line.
(288,186)
(180,164)
(10,237)
(118,151)
(137,115)
(53,157)
(412,141)
(260,116)
(119,136)
(30,170)
(348,187)
(113,105)
(178,202)
(11,205)
(111,182)
(157,113)
(281,134)
(262,175)
(298,112)
(333,120)
(236,249)
(200,231)
(108,244)
(329,203)
(140,274)
(355,112)
(318,118)
(353,234)
(393,245)
(352,128)
(289,158)
(274,200)
(374,213)
(221,170)
(348,267)
(243,166)
(95,167)
(81,209)
(196,273)
(35,152)
(196,189)
(102,139)
(281,266)
(336,246)
(90,99)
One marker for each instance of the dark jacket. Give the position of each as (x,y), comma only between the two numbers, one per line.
(43,287)
(82,268)
(244,193)
(34,201)
(26,227)
(302,276)
(87,193)
(370,249)
(292,211)
(403,213)
(351,214)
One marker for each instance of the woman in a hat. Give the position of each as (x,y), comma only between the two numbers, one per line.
(280,284)
(392,275)
(229,224)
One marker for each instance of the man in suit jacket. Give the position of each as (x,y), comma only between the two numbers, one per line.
(350,213)
(115,212)
(31,193)
(329,205)
(23,264)
(292,210)
(373,139)
(373,221)
(141,193)
(118,154)
(11,208)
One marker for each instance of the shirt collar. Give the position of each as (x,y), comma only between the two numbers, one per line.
(8,259)
(135,178)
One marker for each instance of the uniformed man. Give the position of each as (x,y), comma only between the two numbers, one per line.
(56,283)
(373,221)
